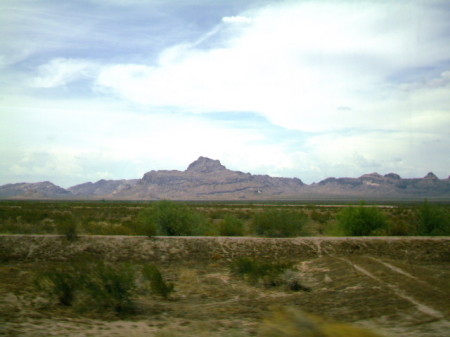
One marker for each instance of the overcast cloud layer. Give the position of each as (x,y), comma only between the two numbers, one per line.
(95,89)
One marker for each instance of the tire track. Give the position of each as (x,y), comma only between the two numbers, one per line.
(404,273)
(423,308)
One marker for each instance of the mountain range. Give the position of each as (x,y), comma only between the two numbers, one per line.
(208,179)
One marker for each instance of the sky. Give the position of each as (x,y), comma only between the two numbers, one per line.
(111,89)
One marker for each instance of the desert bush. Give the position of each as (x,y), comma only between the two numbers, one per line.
(97,286)
(361,221)
(259,272)
(60,283)
(278,223)
(433,220)
(320,217)
(68,228)
(107,228)
(147,223)
(200,224)
(110,286)
(13,226)
(215,214)
(243,214)
(172,219)
(400,228)
(42,217)
(20,221)
(231,226)
(157,284)
(132,227)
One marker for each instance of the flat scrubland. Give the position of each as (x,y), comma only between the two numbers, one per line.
(89,283)
(220,218)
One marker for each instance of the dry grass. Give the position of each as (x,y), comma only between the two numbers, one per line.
(209,301)
(350,281)
(291,322)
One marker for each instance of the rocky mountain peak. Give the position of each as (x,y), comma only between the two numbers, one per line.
(392,176)
(205,165)
(431,176)
(371,175)
(207,178)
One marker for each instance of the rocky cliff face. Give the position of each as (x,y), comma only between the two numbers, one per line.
(208,179)
(390,185)
(102,187)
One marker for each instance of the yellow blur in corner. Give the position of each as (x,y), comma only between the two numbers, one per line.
(290,322)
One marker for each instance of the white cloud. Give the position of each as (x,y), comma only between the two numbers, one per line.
(406,153)
(367,78)
(70,141)
(236,19)
(10,57)
(61,71)
(297,64)
(41,163)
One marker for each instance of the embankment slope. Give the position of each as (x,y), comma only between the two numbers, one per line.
(167,249)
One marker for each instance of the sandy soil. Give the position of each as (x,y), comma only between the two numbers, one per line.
(393,297)
(395,286)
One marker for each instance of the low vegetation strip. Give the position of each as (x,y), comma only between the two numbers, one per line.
(167,249)
(171,218)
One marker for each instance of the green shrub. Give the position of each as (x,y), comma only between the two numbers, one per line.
(171,219)
(400,228)
(134,228)
(279,223)
(320,217)
(61,283)
(111,286)
(433,220)
(200,224)
(259,272)
(147,223)
(69,229)
(361,221)
(231,226)
(157,284)
(91,286)
(107,228)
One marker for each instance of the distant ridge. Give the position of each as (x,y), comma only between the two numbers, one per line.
(41,190)
(208,179)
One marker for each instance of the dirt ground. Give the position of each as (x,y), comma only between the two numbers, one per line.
(391,296)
